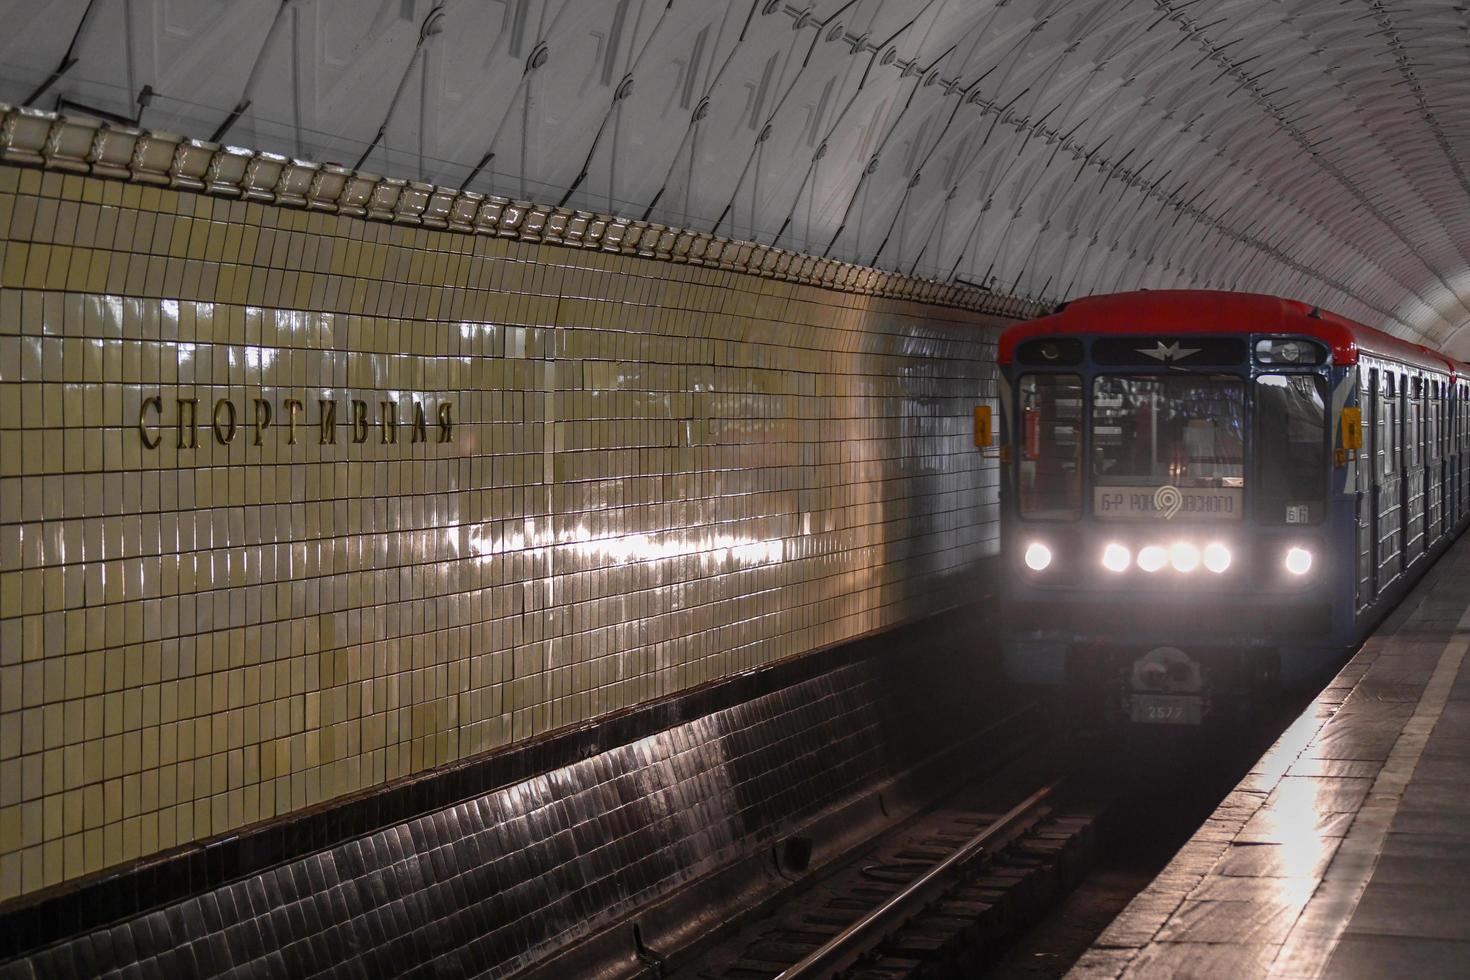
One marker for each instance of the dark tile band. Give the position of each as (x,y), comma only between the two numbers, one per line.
(40,920)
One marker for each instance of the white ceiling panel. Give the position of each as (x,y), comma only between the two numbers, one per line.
(1050,148)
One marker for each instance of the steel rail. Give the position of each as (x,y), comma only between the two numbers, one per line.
(843,949)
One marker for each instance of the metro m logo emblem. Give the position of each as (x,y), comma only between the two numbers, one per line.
(1168,352)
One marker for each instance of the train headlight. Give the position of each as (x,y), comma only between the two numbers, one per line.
(1183,556)
(1037,557)
(1152,558)
(1116,558)
(1298,561)
(1288,350)
(1216,557)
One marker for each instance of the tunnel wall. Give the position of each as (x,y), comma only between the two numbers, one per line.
(294,505)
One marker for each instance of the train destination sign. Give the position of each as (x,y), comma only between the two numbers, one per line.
(1168,503)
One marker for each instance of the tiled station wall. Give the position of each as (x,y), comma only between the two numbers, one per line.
(505,878)
(294,504)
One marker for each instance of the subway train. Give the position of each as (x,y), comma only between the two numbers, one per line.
(1207,495)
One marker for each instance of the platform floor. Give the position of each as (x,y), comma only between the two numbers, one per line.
(1346,850)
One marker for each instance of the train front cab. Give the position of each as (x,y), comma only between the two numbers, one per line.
(1182,537)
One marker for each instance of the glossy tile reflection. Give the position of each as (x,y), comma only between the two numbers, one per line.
(293,504)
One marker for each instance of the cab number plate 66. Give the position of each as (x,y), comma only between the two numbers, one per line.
(1166,709)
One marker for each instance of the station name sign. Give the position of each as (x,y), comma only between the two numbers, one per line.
(187,421)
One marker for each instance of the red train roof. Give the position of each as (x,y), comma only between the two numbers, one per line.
(1198,311)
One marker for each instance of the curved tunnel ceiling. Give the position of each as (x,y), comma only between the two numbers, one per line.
(1048,148)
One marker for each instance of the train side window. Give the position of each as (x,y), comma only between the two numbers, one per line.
(1419,423)
(1291,449)
(1431,423)
(1424,432)
(1402,459)
(1368,402)
(1447,420)
(1457,437)
(1457,412)
(1437,423)
(1387,428)
(1401,407)
(1413,436)
(1460,418)
(1447,414)
(1050,460)
(1377,458)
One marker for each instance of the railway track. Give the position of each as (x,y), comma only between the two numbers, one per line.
(974,882)
(939,895)
(902,912)
(970,883)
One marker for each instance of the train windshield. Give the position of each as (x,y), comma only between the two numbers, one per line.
(1184,432)
(1050,468)
(1291,449)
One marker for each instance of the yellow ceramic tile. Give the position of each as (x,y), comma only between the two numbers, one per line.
(13,263)
(515,517)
